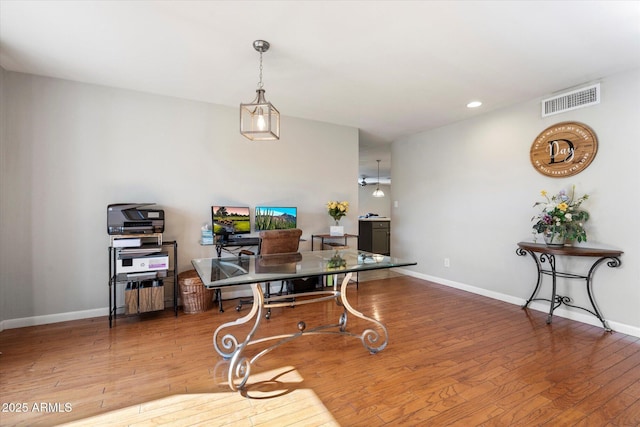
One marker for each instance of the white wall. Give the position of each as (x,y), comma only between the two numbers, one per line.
(379,205)
(466,192)
(70,149)
(4,179)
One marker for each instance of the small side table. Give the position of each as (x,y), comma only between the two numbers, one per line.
(332,240)
(337,243)
(548,254)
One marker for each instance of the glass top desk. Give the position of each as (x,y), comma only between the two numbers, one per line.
(251,271)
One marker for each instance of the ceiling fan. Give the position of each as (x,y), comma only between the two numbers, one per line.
(363,182)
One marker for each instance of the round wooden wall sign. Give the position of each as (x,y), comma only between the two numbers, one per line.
(564,149)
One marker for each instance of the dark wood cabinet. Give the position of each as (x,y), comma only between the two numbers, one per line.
(374,236)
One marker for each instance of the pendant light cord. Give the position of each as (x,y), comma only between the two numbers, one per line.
(260,85)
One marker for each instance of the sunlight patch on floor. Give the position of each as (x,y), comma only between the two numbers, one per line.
(271,397)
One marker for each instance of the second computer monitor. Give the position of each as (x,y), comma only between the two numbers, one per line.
(276,218)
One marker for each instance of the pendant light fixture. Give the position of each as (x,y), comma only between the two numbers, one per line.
(259,120)
(378,192)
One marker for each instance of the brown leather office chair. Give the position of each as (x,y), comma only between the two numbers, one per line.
(276,242)
(279,241)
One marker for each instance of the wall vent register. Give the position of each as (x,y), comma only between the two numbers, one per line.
(579,98)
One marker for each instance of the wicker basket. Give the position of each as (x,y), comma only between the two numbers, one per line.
(195,297)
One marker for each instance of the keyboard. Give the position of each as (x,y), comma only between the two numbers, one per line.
(242,241)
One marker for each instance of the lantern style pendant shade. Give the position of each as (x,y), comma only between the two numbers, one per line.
(260,120)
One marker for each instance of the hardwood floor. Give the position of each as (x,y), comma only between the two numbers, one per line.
(453,358)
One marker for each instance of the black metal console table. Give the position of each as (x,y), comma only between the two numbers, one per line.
(548,254)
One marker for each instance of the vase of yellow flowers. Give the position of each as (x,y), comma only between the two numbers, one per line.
(561,221)
(336,211)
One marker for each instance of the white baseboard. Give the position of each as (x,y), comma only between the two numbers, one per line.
(52,318)
(86,314)
(561,312)
(538,306)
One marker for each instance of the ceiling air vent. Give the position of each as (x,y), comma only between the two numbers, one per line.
(568,101)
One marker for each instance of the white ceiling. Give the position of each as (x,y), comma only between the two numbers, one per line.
(389,68)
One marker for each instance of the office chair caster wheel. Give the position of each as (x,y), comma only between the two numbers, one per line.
(238,308)
(268,315)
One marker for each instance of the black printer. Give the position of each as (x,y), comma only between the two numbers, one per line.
(134,218)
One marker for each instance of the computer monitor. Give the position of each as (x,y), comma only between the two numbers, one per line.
(276,218)
(230,220)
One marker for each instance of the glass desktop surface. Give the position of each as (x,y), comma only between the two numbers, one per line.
(235,271)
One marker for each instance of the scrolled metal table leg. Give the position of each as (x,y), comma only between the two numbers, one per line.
(613,263)
(552,262)
(522,252)
(240,366)
(369,337)
(229,347)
